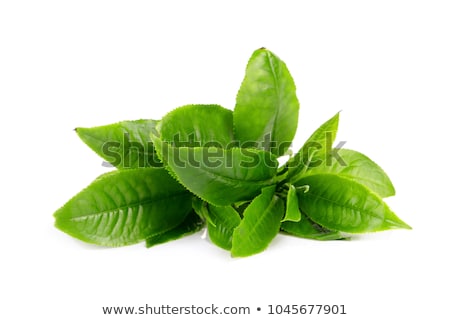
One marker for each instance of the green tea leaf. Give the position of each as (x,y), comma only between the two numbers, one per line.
(218,176)
(225,220)
(260,225)
(266,111)
(198,126)
(125,207)
(358,167)
(308,229)
(124,144)
(292,210)
(340,204)
(313,152)
(191,224)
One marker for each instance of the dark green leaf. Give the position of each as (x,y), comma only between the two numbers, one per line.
(266,111)
(191,224)
(292,210)
(125,207)
(201,209)
(313,152)
(308,229)
(224,221)
(241,206)
(124,144)
(340,204)
(356,166)
(260,225)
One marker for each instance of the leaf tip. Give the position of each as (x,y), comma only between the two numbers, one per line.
(82,132)
(398,224)
(60,224)
(406,226)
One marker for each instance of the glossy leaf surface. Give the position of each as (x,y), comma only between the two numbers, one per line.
(125,207)
(124,144)
(261,223)
(267,107)
(358,167)
(218,176)
(224,221)
(314,150)
(292,210)
(338,203)
(198,126)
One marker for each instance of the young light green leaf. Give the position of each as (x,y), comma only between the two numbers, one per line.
(266,111)
(125,207)
(260,225)
(191,224)
(198,126)
(225,220)
(292,210)
(306,228)
(313,152)
(124,144)
(341,204)
(358,167)
(218,176)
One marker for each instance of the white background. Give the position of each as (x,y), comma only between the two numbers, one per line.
(64,64)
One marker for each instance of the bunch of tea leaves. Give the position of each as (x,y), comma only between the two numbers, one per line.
(207,166)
